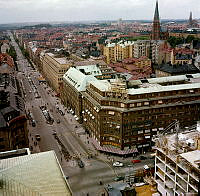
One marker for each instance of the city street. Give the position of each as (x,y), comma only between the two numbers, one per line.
(96,168)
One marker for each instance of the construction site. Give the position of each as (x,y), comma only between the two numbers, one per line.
(177,161)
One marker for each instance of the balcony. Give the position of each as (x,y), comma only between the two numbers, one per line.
(160,175)
(161,166)
(170,184)
(169,174)
(181,184)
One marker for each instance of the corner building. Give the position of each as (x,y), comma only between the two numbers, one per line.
(128,115)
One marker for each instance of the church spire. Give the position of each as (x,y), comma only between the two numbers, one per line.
(156,15)
(156,24)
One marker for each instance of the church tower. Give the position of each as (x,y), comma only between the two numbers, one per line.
(190,22)
(156,24)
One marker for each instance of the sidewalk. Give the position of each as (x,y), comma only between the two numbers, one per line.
(33,144)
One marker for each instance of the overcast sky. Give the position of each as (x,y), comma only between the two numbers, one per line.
(75,10)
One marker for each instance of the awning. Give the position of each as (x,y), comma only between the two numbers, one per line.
(113,149)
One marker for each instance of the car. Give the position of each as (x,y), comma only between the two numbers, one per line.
(37,137)
(80,164)
(146,167)
(118,164)
(119,178)
(54,132)
(33,123)
(136,161)
(58,121)
(143,157)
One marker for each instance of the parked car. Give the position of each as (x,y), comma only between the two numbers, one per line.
(143,157)
(136,161)
(80,164)
(37,137)
(118,164)
(146,167)
(33,123)
(58,121)
(119,178)
(54,132)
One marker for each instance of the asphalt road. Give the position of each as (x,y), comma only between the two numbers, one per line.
(82,180)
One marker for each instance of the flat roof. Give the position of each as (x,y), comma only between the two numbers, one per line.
(159,88)
(191,157)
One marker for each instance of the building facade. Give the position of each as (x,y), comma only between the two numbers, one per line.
(129,117)
(126,49)
(118,51)
(13,121)
(54,67)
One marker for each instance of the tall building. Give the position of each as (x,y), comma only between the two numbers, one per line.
(190,20)
(54,67)
(192,23)
(156,24)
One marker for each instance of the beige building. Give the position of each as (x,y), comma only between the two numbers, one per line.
(118,51)
(126,49)
(54,67)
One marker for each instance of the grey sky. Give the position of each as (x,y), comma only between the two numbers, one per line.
(73,10)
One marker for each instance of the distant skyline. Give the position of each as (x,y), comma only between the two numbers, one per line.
(17,11)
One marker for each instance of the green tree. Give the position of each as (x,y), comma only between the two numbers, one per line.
(189,38)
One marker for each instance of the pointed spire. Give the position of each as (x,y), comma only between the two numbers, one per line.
(190,19)
(156,15)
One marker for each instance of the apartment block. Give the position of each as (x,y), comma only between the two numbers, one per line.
(126,49)
(54,67)
(141,48)
(118,51)
(127,117)
(128,114)
(177,162)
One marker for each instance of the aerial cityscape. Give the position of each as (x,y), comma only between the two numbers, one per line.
(98,101)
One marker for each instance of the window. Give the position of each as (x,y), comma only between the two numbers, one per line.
(140,132)
(132,105)
(147,131)
(146,103)
(111,112)
(160,102)
(122,105)
(139,104)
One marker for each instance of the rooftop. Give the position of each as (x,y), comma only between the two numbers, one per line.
(29,175)
(192,157)
(78,79)
(178,69)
